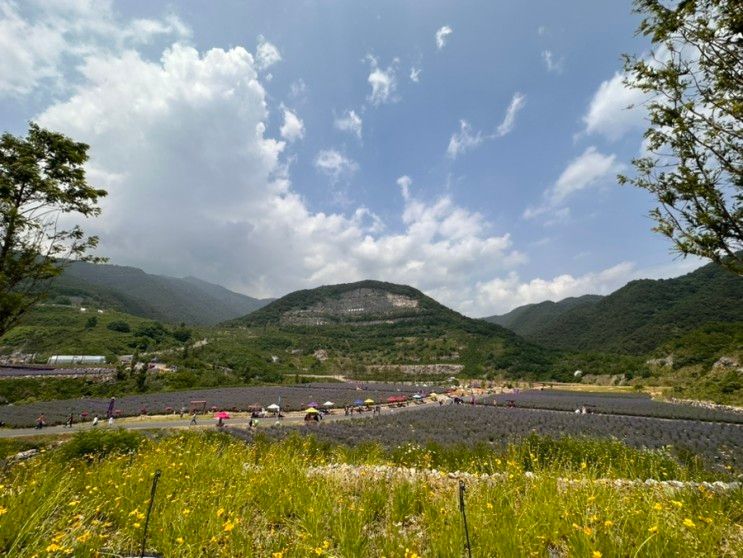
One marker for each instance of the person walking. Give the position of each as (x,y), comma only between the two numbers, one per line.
(68,424)
(110,421)
(95,420)
(40,422)
(193,420)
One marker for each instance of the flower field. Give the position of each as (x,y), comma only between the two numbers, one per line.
(718,443)
(293,397)
(221,497)
(613,403)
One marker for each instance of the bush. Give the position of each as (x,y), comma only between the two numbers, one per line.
(119,325)
(101,442)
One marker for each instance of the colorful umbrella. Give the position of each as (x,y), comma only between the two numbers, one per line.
(369,402)
(312,411)
(313,404)
(358,402)
(222,415)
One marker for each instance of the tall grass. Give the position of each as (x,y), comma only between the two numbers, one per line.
(214,501)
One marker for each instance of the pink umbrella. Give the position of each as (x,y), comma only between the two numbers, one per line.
(222,415)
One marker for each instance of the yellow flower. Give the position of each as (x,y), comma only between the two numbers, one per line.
(220,512)
(85,537)
(3,510)
(229,526)
(677,503)
(179,540)
(608,523)
(136,525)
(653,529)
(658,507)
(489,506)
(583,465)
(596,554)
(591,498)
(587,531)
(279,554)
(319,551)
(73,503)
(689,523)
(54,547)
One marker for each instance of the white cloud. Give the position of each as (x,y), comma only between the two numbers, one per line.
(266,54)
(383,82)
(509,120)
(586,170)
(293,127)
(335,164)
(404,182)
(442,36)
(464,140)
(349,122)
(298,89)
(615,109)
(415,74)
(554,64)
(36,38)
(504,294)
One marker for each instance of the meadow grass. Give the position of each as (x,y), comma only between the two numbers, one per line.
(221,497)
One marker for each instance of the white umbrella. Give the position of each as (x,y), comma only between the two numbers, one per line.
(328,404)
(273,407)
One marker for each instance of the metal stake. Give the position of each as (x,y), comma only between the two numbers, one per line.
(464,517)
(149,511)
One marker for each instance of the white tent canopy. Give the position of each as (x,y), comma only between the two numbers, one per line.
(273,407)
(328,404)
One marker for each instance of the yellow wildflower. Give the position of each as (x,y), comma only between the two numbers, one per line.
(489,506)
(658,507)
(587,531)
(689,523)
(596,554)
(136,525)
(653,529)
(179,540)
(583,465)
(85,537)
(220,512)
(73,503)
(54,547)
(608,523)
(677,503)
(279,554)
(3,510)
(229,526)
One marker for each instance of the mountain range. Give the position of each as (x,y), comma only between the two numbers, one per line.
(635,319)
(158,297)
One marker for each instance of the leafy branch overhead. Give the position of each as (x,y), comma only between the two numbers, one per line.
(692,159)
(42,177)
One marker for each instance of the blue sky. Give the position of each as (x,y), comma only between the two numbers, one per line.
(467,148)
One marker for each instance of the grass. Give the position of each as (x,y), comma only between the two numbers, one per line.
(221,497)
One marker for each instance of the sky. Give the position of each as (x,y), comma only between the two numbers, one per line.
(469,149)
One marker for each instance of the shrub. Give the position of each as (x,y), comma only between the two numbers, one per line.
(119,325)
(101,442)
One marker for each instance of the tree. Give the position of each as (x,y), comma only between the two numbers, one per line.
(693,161)
(42,177)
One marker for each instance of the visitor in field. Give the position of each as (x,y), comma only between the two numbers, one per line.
(95,420)
(111,420)
(70,419)
(40,422)
(193,420)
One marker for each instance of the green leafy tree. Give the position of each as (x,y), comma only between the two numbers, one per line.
(42,177)
(694,142)
(91,322)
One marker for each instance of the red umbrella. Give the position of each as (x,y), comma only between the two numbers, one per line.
(222,415)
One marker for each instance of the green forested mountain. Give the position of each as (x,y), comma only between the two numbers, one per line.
(371,323)
(532,318)
(157,297)
(640,316)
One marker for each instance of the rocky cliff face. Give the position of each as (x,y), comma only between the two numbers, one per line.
(359,306)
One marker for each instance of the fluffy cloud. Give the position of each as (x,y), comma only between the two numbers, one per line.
(554,64)
(349,122)
(509,120)
(415,74)
(502,295)
(293,127)
(586,170)
(266,54)
(36,37)
(442,36)
(335,164)
(614,109)
(383,82)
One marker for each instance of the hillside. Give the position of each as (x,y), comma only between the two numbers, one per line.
(531,318)
(157,297)
(644,314)
(374,324)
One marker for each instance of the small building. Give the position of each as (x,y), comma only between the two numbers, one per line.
(76,359)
